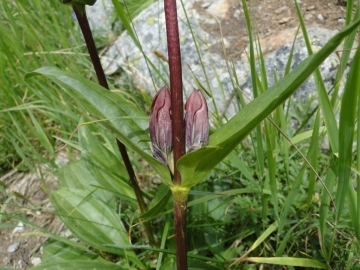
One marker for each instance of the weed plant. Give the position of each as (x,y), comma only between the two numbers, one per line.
(264,192)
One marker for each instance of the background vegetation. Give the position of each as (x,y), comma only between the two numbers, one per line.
(265,203)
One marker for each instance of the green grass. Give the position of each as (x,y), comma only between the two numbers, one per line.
(266,203)
(29,117)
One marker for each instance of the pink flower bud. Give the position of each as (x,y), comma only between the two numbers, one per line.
(160,127)
(196,121)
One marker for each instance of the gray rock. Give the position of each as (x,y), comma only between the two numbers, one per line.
(281,10)
(150,29)
(278,60)
(99,17)
(13,247)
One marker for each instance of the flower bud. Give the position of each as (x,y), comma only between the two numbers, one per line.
(196,121)
(160,127)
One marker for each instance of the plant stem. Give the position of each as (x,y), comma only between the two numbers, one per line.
(172,31)
(180,194)
(89,40)
(180,210)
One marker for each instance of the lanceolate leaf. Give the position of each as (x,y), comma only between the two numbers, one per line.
(346,131)
(127,122)
(92,221)
(195,165)
(109,172)
(79,265)
(301,262)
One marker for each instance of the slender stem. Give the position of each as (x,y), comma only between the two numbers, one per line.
(180,194)
(180,207)
(172,31)
(89,40)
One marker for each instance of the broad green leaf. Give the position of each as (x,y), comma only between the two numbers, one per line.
(79,265)
(91,146)
(92,221)
(55,251)
(347,126)
(76,176)
(127,122)
(107,169)
(196,165)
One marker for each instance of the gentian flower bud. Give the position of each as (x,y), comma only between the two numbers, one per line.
(160,127)
(196,121)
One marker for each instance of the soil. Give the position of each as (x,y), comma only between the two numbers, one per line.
(25,207)
(276,23)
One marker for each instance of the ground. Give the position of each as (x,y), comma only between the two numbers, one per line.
(26,198)
(276,20)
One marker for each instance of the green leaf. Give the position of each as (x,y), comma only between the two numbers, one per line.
(101,155)
(127,122)
(79,265)
(302,262)
(107,169)
(346,130)
(328,113)
(196,165)
(158,203)
(56,251)
(76,176)
(92,221)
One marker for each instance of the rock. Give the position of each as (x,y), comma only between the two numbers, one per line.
(150,28)
(284,20)
(35,261)
(281,10)
(99,17)
(13,247)
(310,8)
(278,60)
(18,228)
(320,17)
(308,16)
(218,8)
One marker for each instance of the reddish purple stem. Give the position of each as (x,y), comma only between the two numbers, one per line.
(175,84)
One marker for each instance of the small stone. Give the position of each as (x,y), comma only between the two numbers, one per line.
(308,16)
(13,247)
(206,5)
(35,261)
(284,20)
(320,17)
(310,8)
(237,13)
(19,228)
(341,20)
(281,10)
